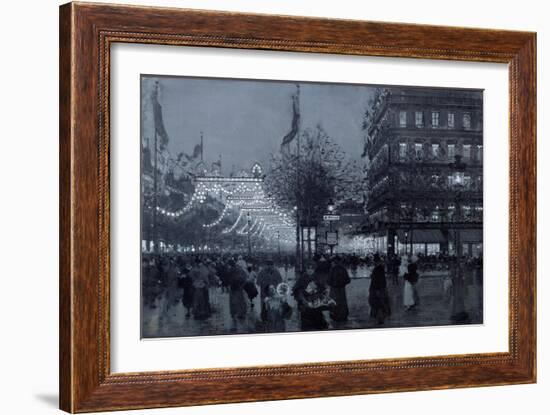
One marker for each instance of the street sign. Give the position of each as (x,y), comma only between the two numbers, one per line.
(331,217)
(332,238)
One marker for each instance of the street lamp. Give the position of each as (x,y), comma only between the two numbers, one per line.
(330,206)
(330,209)
(459,314)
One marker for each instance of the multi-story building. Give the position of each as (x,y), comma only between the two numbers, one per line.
(413,136)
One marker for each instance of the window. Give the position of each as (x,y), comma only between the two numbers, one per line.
(451,120)
(402,118)
(466,120)
(435,150)
(418,119)
(402,150)
(418,150)
(479,153)
(467,151)
(451,151)
(435,119)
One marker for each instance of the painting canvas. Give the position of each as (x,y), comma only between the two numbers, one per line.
(289,206)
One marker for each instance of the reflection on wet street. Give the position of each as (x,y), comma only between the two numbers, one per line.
(434,308)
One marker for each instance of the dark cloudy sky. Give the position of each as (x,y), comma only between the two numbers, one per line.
(245,120)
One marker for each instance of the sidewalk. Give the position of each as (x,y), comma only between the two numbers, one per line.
(433,310)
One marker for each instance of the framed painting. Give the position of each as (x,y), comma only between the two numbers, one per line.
(258,207)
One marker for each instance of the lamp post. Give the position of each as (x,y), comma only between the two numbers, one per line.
(248,229)
(458,314)
(298,250)
(330,208)
(279,244)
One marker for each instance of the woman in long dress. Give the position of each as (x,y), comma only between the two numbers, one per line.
(312,299)
(201,298)
(238,305)
(410,295)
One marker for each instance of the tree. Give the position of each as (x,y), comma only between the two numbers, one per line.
(307,178)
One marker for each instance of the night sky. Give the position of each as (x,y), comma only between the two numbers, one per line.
(245,120)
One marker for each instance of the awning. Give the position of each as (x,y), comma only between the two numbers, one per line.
(471,235)
(421,236)
(434,236)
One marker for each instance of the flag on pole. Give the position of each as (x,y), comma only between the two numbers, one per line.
(160,130)
(289,137)
(197,151)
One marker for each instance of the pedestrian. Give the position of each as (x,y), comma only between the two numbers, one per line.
(201,298)
(269,275)
(322,270)
(338,279)
(312,299)
(277,309)
(241,262)
(394,263)
(410,294)
(237,296)
(378,295)
(170,297)
(447,287)
(186,284)
(250,285)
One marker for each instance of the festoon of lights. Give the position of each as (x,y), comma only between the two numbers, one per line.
(248,196)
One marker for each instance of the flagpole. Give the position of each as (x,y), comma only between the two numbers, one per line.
(201,145)
(299,253)
(155,193)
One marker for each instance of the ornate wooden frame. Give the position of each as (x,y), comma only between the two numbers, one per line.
(86,33)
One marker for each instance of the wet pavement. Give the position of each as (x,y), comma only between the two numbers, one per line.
(434,309)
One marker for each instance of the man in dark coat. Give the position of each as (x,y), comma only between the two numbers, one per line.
(237,299)
(338,278)
(322,270)
(378,295)
(186,284)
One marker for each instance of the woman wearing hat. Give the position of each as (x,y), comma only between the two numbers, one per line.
(312,299)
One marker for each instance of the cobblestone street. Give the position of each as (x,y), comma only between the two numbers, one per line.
(434,309)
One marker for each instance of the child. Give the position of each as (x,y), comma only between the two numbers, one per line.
(447,287)
(277,309)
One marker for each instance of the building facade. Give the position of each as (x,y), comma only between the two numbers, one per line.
(413,136)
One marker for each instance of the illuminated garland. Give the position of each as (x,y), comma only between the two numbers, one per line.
(220,218)
(232,227)
(248,196)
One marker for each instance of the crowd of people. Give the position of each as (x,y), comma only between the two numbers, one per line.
(316,294)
